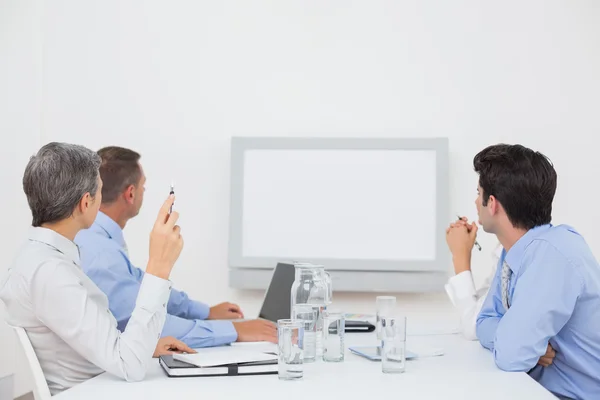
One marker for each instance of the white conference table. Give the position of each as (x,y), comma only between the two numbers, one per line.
(465,371)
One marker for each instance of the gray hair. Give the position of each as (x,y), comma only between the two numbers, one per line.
(56,179)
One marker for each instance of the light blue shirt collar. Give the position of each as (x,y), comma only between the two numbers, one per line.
(514,256)
(112,229)
(56,240)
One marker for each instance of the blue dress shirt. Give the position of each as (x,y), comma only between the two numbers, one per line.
(105,260)
(554,297)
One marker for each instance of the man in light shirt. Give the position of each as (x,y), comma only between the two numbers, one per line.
(64,314)
(105,259)
(546,291)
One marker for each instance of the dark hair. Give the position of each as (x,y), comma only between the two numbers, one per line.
(523,181)
(56,179)
(119,169)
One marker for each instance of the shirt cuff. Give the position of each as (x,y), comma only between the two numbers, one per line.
(198,310)
(224,332)
(154,293)
(460,287)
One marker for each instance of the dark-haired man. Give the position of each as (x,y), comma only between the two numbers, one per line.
(546,291)
(105,259)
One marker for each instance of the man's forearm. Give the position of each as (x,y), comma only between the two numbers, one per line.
(461,263)
(182,306)
(486,331)
(197,333)
(198,310)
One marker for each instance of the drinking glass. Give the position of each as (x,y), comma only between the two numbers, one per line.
(290,340)
(393,352)
(307,315)
(333,336)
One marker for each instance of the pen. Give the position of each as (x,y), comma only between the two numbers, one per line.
(170,193)
(476,244)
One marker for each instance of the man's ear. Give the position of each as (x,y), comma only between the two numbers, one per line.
(493,205)
(129,194)
(84,203)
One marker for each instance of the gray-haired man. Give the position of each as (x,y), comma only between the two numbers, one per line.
(65,315)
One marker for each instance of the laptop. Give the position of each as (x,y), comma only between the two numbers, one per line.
(277,302)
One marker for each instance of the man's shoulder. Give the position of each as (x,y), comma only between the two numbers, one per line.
(33,266)
(564,243)
(562,231)
(33,255)
(91,242)
(98,252)
(565,239)
(36,261)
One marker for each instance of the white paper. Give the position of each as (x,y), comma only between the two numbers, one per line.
(215,356)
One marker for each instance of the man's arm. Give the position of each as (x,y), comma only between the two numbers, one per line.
(490,314)
(468,300)
(110,272)
(182,306)
(197,333)
(544,299)
(179,303)
(62,303)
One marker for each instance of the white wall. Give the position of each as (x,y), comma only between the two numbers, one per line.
(20,119)
(175,80)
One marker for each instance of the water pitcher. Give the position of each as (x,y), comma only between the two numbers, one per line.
(312,286)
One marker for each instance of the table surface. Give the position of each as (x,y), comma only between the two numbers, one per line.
(465,371)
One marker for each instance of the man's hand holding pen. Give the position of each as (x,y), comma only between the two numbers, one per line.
(461,237)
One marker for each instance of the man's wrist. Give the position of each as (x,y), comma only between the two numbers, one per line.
(156,269)
(461,263)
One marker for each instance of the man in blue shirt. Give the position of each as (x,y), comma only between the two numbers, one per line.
(104,258)
(545,297)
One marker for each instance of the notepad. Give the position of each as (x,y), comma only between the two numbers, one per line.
(175,368)
(217,356)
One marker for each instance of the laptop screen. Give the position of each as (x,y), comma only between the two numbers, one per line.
(277,301)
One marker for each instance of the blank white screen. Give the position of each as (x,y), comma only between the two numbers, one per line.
(340,204)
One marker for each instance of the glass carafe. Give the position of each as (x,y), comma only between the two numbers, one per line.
(310,287)
(329,286)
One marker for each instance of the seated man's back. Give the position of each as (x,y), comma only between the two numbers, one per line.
(554,298)
(577,343)
(25,297)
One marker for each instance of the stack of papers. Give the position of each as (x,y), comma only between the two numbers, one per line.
(226,355)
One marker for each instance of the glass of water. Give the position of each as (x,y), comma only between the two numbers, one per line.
(393,352)
(385,307)
(290,340)
(307,315)
(334,325)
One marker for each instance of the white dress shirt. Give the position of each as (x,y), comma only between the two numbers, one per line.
(67,319)
(467,299)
